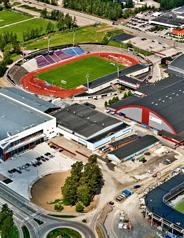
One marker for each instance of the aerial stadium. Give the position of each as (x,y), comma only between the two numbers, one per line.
(164,206)
(70,71)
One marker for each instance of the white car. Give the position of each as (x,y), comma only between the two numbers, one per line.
(120,225)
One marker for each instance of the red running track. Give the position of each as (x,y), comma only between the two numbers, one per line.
(38,86)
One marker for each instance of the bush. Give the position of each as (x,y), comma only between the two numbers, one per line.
(58,206)
(79,207)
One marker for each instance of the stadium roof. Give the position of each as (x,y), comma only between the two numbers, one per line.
(16,117)
(28,99)
(133,68)
(155,203)
(84,120)
(110,77)
(165,99)
(134,147)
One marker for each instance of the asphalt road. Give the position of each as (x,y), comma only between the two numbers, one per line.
(28,212)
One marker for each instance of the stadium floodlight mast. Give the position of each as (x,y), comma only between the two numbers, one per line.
(73,36)
(87,80)
(117,67)
(48,43)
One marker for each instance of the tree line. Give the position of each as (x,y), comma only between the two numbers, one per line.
(63,22)
(169,4)
(8,45)
(103,8)
(6,222)
(83,184)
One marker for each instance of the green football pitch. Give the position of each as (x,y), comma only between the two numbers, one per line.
(180,206)
(74,74)
(8,17)
(16,22)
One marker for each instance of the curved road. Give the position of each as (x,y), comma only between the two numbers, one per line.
(28,212)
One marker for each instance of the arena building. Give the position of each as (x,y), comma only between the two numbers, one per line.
(133,148)
(89,127)
(160,108)
(160,212)
(177,66)
(22,125)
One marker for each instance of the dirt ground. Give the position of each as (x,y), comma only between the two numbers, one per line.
(5,83)
(48,189)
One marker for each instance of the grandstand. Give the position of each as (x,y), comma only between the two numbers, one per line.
(16,72)
(58,55)
(158,209)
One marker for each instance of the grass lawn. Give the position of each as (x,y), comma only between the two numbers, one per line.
(25,232)
(19,28)
(180,206)
(81,35)
(64,232)
(74,74)
(14,233)
(8,17)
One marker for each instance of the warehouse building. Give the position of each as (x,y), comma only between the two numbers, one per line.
(89,127)
(162,109)
(22,127)
(133,149)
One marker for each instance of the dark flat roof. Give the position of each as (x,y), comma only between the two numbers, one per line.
(105,134)
(134,147)
(169,18)
(166,99)
(155,202)
(124,140)
(129,80)
(110,77)
(133,69)
(122,37)
(84,120)
(178,62)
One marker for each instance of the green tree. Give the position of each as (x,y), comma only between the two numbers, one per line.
(79,207)
(50,27)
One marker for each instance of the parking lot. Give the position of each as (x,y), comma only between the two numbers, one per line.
(148,44)
(26,168)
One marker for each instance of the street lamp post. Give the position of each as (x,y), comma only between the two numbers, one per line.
(48,47)
(73,37)
(117,67)
(87,80)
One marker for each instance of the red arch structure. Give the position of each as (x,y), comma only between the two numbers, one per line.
(145,116)
(38,86)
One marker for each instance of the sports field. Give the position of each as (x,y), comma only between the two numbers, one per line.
(9,17)
(19,28)
(11,21)
(73,74)
(180,206)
